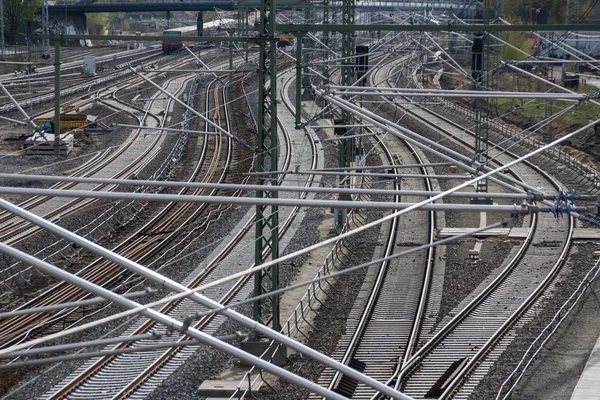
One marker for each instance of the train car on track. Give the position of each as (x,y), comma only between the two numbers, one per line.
(169,47)
(213,28)
(286,42)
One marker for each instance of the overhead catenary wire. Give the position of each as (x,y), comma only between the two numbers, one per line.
(467,233)
(211,123)
(169,322)
(62,306)
(251,201)
(194,292)
(177,287)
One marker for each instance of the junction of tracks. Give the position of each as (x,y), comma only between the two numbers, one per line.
(354,213)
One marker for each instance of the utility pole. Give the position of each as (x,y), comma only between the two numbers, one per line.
(348,70)
(56,126)
(480,72)
(577,36)
(302,61)
(307,55)
(299,78)
(547,134)
(326,41)
(200,24)
(2,25)
(45,30)
(266,311)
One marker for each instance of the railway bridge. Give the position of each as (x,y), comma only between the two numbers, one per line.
(74,11)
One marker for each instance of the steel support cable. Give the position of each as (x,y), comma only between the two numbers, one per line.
(396,130)
(535,76)
(537,126)
(305,189)
(80,303)
(497,38)
(185,292)
(81,345)
(278,202)
(574,24)
(165,166)
(554,85)
(388,126)
(454,65)
(374,90)
(208,121)
(422,142)
(433,93)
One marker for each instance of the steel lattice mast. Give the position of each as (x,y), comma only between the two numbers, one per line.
(482,107)
(267,218)
(348,71)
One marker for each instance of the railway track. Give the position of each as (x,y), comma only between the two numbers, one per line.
(71,79)
(102,273)
(470,335)
(386,326)
(14,230)
(153,139)
(144,376)
(465,346)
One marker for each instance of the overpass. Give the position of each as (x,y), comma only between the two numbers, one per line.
(95,6)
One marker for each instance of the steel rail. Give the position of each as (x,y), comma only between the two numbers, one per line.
(472,363)
(89,275)
(360,330)
(104,362)
(376,293)
(169,354)
(112,92)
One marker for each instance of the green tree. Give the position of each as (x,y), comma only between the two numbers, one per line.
(17,13)
(550,11)
(97,22)
(520,40)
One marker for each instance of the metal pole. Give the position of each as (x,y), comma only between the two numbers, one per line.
(225,186)
(201,299)
(246,32)
(577,35)
(16,103)
(267,219)
(61,306)
(70,346)
(482,107)
(375,205)
(348,71)
(231,33)
(201,62)
(168,321)
(56,130)
(46,30)
(299,80)
(2,25)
